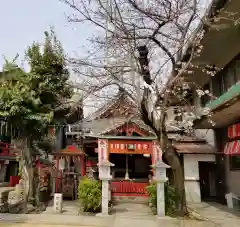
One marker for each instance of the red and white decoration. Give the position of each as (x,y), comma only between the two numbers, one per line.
(233,147)
(234,131)
(102,149)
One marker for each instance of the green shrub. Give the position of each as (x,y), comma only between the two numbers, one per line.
(152,192)
(90,194)
(170,198)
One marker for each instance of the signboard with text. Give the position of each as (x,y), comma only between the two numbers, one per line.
(130,147)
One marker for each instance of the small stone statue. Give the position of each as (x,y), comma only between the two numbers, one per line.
(90,173)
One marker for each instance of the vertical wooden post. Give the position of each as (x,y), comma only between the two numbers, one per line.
(61,180)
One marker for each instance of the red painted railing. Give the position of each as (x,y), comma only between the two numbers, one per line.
(129,188)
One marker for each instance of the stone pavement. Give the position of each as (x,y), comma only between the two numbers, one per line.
(216,213)
(45,220)
(32,225)
(127,215)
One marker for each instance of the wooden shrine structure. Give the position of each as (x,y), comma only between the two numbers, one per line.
(69,168)
(116,133)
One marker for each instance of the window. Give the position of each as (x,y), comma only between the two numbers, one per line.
(234,162)
(238,70)
(217,85)
(229,77)
(221,138)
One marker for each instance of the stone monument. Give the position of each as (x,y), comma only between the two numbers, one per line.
(160,178)
(58,202)
(105,177)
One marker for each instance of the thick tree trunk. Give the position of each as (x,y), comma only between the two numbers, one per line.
(171,158)
(29,175)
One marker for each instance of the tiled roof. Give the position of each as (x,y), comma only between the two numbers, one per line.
(102,126)
(99,126)
(109,104)
(195,148)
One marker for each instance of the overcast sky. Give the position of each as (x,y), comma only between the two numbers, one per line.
(24,21)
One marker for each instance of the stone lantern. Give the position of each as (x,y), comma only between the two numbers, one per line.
(160,177)
(160,168)
(105,170)
(105,176)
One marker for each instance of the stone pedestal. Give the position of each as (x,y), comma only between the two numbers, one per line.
(58,202)
(160,199)
(105,177)
(105,196)
(161,178)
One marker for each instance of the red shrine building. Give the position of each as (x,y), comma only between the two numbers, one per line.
(116,132)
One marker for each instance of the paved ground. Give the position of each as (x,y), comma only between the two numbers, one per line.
(32,225)
(217,214)
(128,215)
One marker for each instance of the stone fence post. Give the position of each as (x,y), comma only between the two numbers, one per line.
(161,178)
(105,177)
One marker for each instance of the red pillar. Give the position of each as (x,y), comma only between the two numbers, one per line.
(153,156)
(56,182)
(82,158)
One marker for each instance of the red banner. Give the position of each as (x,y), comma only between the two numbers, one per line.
(130,147)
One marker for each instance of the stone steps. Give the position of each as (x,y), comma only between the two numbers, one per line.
(132,210)
(130,199)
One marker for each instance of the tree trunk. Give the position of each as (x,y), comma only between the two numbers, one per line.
(171,158)
(29,175)
(149,114)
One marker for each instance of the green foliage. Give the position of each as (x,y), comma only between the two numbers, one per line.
(50,69)
(28,99)
(89,194)
(20,103)
(152,192)
(170,198)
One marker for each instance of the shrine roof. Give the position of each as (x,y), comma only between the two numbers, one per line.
(128,137)
(101,126)
(121,96)
(195,148)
